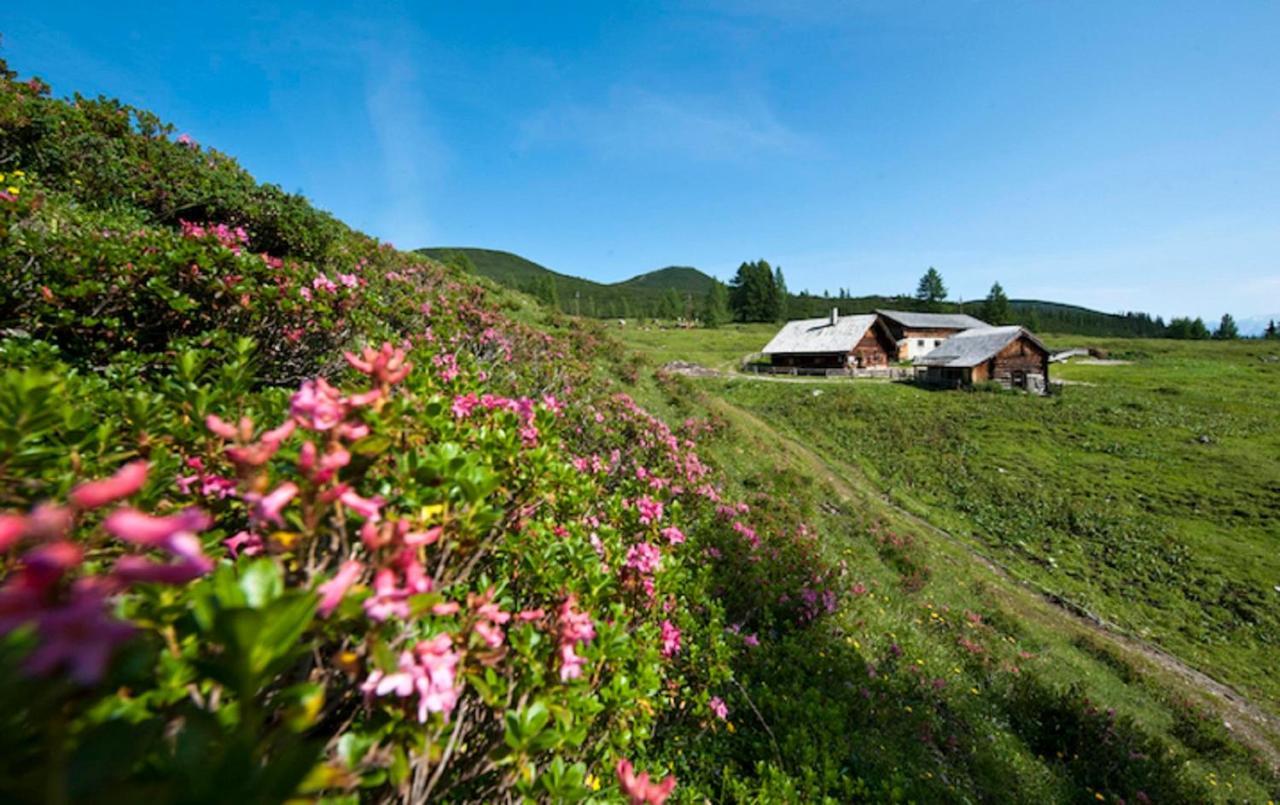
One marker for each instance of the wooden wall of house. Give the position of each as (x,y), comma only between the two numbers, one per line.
(874,349)
(1023,355)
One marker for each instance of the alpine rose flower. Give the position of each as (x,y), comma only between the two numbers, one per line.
(718,707)
(333,590)
(638,788)
(670,639)
(127,480)
(574,626)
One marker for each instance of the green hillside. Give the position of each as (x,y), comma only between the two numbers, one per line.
(651,295)
(644,295)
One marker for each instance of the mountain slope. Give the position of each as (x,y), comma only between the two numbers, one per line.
(650,294)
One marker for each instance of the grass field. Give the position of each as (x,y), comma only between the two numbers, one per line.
(939,671)
(1150,496)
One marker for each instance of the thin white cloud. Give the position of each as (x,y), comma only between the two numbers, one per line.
(410,155)
(635,123)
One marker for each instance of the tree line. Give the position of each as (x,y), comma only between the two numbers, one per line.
(758,293)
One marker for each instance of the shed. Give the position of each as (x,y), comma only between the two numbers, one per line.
(914,334)
(834,342)
(1011,356)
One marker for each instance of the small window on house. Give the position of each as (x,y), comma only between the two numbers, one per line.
(920,343)
(937,342)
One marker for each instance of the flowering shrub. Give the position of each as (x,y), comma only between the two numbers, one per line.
(301,514)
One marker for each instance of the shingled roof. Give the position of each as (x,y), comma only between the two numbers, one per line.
(820,335)
(933,321)
(973,347)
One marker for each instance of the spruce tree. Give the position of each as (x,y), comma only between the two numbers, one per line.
(1271,330)
(995,310)
(1227,330)
(715,306)
(931,289)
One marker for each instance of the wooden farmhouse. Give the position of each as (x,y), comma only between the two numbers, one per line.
(915,334)
(1010,356)
(835,342)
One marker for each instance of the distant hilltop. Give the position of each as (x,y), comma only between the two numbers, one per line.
(678,292)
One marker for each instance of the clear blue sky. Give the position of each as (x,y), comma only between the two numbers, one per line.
(1121,155)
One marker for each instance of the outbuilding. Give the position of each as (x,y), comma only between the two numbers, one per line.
(1011,356)
(836,342)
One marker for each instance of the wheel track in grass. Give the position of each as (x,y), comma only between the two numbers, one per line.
(1252,725)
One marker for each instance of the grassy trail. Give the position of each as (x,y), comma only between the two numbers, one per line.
(1253,725)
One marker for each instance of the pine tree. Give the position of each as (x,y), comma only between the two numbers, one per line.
(779,295)
(1227,330)
(715,306)
(1271,330)
(995,310)
(753,293)
(931,289)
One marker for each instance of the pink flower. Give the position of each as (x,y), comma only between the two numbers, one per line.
(139,569)
(220,427)
(387,365)
(317,405)
(489,618)
(650,509)
(127,480)
(333,590)
(243,543)
(437,684)
(133,526)
(670,639)
(267,508)
(643,558)
(674,535)
(575,626)
(387,599)
(430,670)
(368,508)
(718,707)
(80,636)
(638,788)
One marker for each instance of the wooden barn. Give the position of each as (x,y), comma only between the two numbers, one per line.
(1010,356)
(915,334)
(836,342)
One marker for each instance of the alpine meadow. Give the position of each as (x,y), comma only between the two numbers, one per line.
(290,514)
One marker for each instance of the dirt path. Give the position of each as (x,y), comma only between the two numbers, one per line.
(1255,727)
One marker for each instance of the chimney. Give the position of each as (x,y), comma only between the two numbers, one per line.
(835,316)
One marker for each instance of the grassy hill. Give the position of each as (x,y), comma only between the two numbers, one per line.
(648,295)
(642,295)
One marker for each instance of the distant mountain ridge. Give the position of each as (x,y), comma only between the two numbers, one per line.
(677,291)
(646,294)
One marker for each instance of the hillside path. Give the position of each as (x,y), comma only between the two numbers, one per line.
(1251,724)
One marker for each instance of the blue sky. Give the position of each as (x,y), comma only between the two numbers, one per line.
(1117,155)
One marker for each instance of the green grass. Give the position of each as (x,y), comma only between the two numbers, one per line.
(721,348)
(1011,664)
(1151,497)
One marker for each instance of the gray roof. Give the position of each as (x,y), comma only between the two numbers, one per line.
(820,335)
(972,347)
(940,321)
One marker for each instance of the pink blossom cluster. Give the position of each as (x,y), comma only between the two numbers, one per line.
(650,510)
(574,627)
(670,639)
(209,485)
(72,615)
(429,671)
(233,238)
(464,405)
(639,789)
(386,366)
